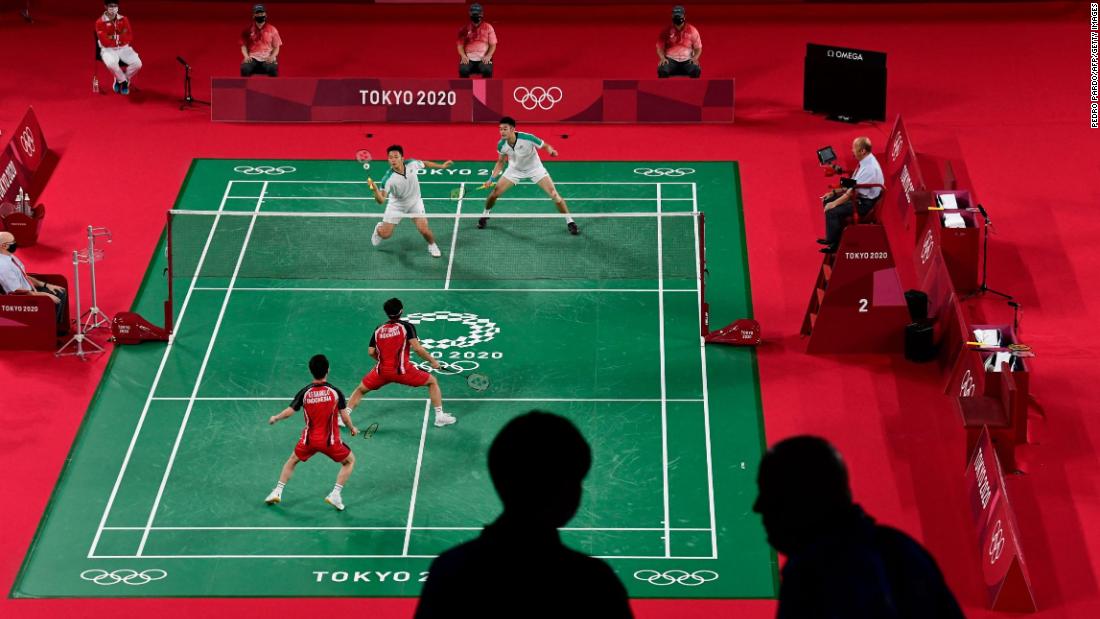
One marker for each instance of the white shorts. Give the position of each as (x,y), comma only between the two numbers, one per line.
(516,176)
(395,213)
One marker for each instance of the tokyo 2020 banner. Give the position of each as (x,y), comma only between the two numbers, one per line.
(446,100)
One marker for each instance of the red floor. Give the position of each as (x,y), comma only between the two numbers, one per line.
(1002,87)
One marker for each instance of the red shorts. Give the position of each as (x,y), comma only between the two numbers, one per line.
(338,452)
(413,377)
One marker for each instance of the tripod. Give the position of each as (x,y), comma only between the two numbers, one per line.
(94,318)
(983,288)
(188,101)
(80,339)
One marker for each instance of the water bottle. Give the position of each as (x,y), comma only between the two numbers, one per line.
(95,84)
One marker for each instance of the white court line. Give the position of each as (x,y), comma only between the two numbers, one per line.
(449,399)
(664,385)
(403,528)
(258,556)
(454,235)
(156,379)
(416,479)
(706,400)
(452,182)
(542,199)
(198,379)
(562,290)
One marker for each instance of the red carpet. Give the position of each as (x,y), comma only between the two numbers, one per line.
(1002,87)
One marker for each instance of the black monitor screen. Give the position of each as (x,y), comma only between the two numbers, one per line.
(826,155)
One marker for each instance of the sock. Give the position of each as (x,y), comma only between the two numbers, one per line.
(438,411)
(568,219)
(279,487)
(432,246)
(336,489)
(485,212)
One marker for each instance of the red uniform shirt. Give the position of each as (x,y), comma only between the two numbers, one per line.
(261,41)
(680,43)
(323,404)
(391,342)
(114,33)
(475,40)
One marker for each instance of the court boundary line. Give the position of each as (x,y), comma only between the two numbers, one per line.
(664,383)
(660,291)
(454,236)
(416,478)
(414,399)
(159,557)
(706,386)
(346,289)
(202,372)
(156,379)
(396,528)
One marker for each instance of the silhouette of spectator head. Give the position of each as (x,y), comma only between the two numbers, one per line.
(803,489)
(537,464)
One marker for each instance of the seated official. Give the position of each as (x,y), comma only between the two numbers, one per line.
(14,279)
(260,45)
(838,203)
(679,47)
(477,42)
(114,36)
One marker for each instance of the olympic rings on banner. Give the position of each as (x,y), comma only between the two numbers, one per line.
(537,97)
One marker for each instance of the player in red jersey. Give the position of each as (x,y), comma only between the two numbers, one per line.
(390,345)
(324,404)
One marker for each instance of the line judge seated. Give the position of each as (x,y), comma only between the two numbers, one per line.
(14,279)
(477,42)
(679,47)
(260,46)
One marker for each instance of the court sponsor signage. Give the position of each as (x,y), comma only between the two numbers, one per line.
(1005,572)
(28,142)
(451,100)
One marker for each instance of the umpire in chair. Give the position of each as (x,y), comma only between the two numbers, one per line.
(840,203)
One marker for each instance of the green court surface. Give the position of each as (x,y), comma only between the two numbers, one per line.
(163,493)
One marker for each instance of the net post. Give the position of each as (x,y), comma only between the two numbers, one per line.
(168,250)
(704,320)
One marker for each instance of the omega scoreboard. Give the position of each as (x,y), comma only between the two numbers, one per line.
(846,84)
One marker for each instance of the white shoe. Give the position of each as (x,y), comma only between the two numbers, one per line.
(433,249)
(335,501)
(374,238)
(443,419)
(274,497)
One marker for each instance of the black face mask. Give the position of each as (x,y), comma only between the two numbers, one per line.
(12,247)
(679,21)
(261,19)
(476,18)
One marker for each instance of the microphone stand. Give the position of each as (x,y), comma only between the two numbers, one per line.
(188,100)
(983,288)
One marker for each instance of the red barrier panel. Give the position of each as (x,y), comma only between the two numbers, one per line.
(902,171)
(446,100)
(29,142)
(1006,577)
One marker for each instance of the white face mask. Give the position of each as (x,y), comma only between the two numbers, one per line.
(112,11)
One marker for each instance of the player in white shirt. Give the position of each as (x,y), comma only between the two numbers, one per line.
(521,152)
(399,189)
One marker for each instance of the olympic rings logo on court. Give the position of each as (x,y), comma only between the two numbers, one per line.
(124,576)
(481,329)
(449,367)
(671,172)
(265,169)
(537,97)
(676,577)
(26,139)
